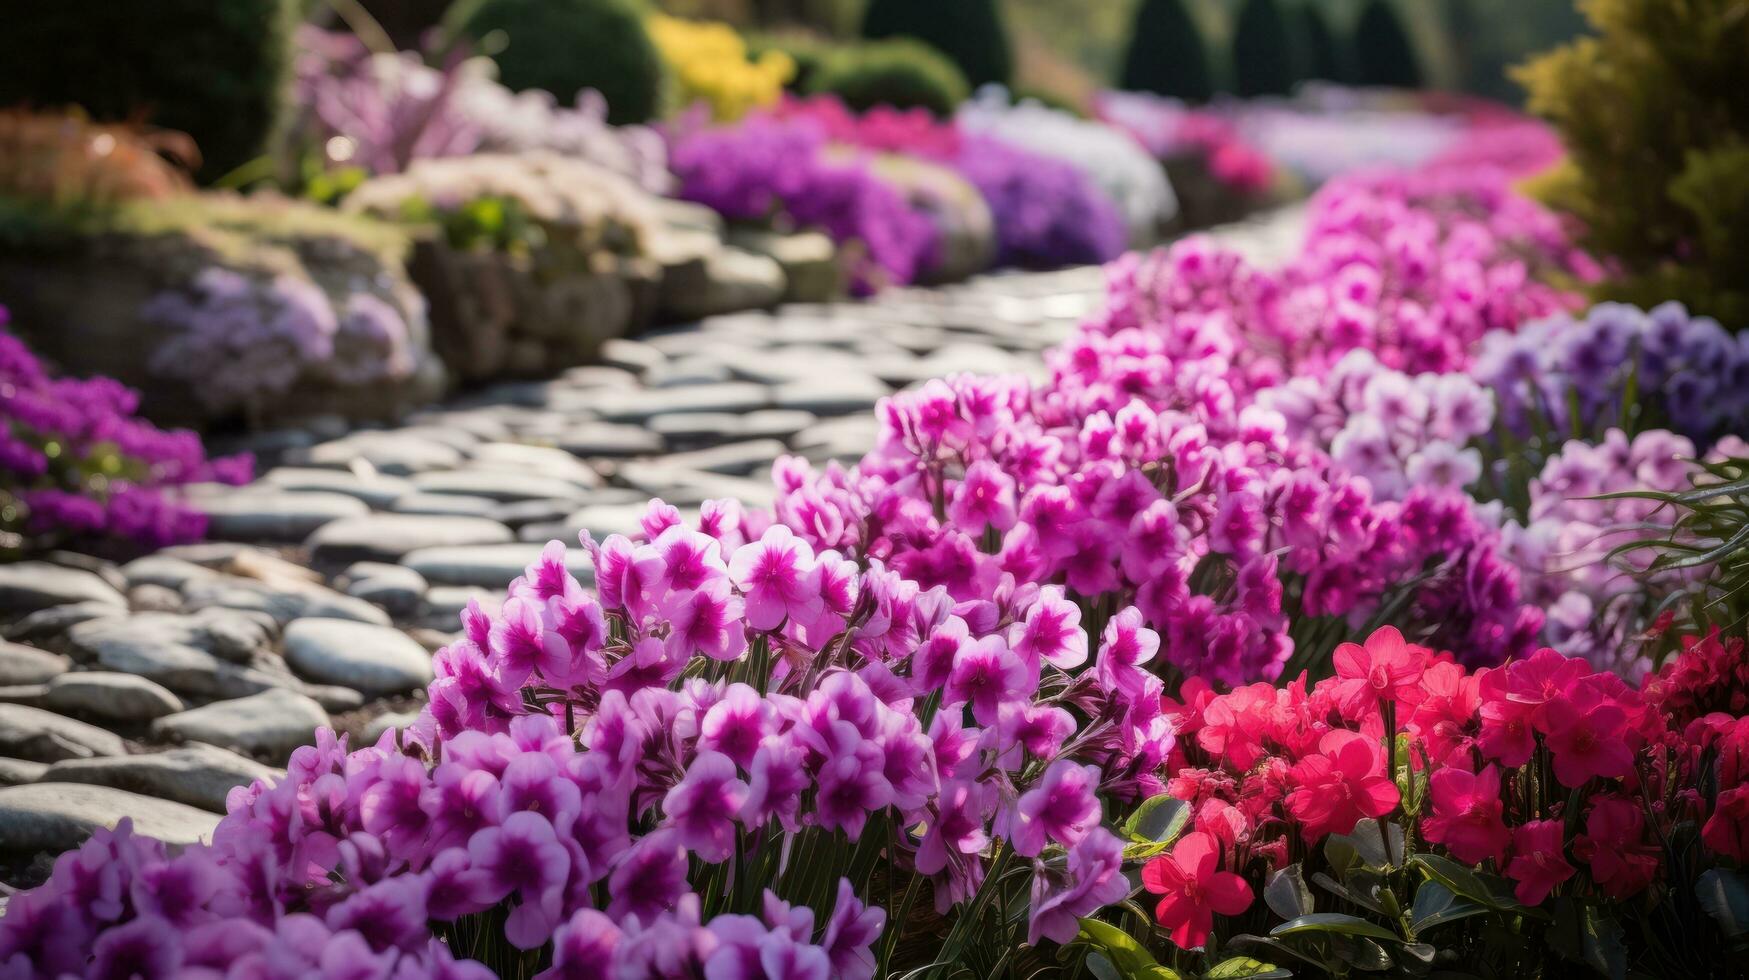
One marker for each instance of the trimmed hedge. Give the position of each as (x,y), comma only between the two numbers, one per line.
(565,46)
(1383,53)
(969,32)
(1262,53)
(1166,54)
(217,70)
(901,73)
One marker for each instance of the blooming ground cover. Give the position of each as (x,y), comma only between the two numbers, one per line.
(1246,641)
(78,466)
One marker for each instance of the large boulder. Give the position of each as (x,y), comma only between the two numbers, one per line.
(564,270)
(219,307)
(960,214)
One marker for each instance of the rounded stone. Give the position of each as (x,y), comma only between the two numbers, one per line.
(376,660)
(110,696)
(57,817)
(270,724)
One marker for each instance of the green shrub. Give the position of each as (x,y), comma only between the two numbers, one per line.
(899,72)
(214,69)
(1262,54)
(1316,57)
(1383,54)
(969,32)
(565,46)
(808,51)
(1166,53)
(1655,117)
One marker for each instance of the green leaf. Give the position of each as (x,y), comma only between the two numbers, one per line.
(1102,968)
(1436,905)
(1244,966)
(1286,893)
(1583,934)
(1121,951)
(1336,922)
(1363,847)
(1159,820)
(1484,889)
(1725,896)
(1366,889)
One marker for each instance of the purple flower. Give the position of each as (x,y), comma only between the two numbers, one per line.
(851,780)
(779,577)
(850,932)
(737,724)
(583,948)
(524,858)
(702,808)
(649,879)
(1062,807)
(1051,632)
(987,674)
(1093,881)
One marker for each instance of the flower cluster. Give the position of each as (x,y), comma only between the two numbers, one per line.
(711,64)
(1115,162)
(1047,212)
(1396,430)
(1171,129)
(1597,603)
(76,462)
(238,338)
(1685,371)
(380,112)
(769,169)
(1404,734)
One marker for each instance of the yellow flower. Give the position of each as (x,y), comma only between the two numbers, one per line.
(710,63)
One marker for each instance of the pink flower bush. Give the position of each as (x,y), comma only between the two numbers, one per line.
(77,464)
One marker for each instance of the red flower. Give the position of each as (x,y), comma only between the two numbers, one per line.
(1387,669)
(1343,783)
(1587,740)
(1614,842)
(1727,830)
(1466,815)
(1193,889)
(1539,861)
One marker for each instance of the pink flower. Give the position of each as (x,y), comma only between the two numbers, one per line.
(957,829)
(1339,785)
(1095,880)
(1062,807)
(1386,669)
(1587,742)
(1614,842)
(736,725)
(852,783)
(1727,830)
(1051,631)
(779,577)
(703,806)
(1124,646)
(1539,862)
(707,621)
(987,674)
(1193,889)
(984,497)
(1466,815)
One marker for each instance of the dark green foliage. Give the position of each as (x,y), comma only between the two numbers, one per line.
(214,69)
(1655,117)
(565,46)
(808,51)
(969,32)
(1263,61)
(898,72)
(1166,53)
(1316,56)
(1487,37)
(1383,53)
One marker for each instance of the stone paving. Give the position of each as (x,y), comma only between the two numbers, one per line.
(150,689)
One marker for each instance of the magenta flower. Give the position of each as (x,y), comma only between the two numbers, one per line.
(1063,807)
(548,578)
(779,578)
(1466,815)
(737,724)
(850,932)
(1094,880)
(1124,646)
(649,879)
(524,858)
(1539,860)
(987,674)
(583,948)
(1051,632)
(957,829)
(983,498)
(1587,742)
(775,784)
(851,782)
(702,808)
(707,621)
